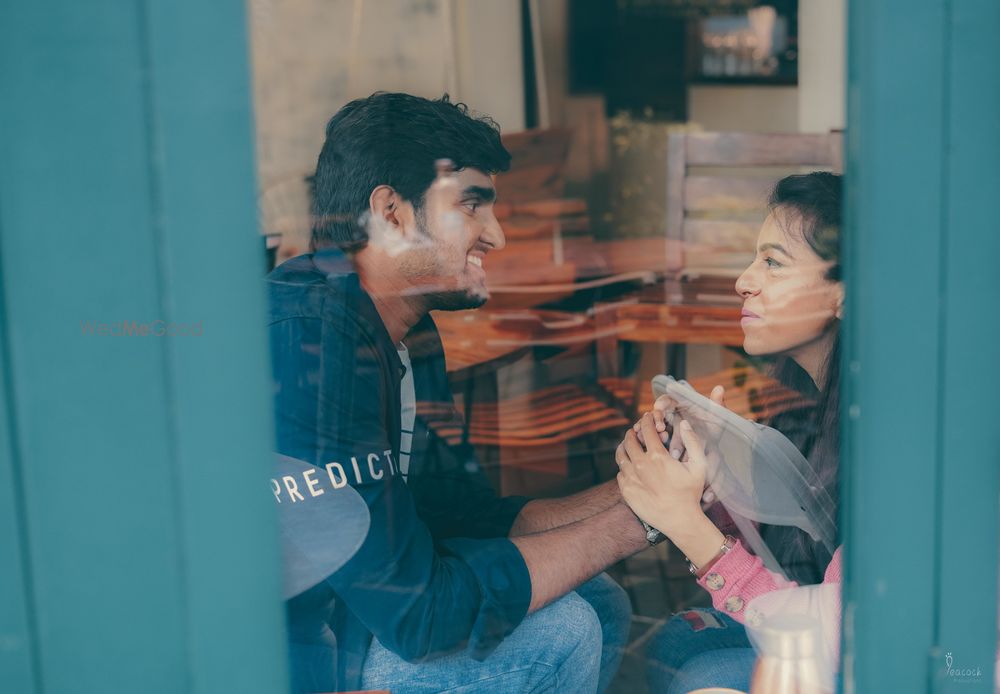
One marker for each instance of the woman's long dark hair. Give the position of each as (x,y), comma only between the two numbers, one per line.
(810,204)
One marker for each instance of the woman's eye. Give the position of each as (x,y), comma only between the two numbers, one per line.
(772,263)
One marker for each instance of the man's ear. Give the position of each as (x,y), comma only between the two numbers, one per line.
(390,211)
(383,204)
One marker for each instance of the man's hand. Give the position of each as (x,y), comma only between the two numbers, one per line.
(663,491)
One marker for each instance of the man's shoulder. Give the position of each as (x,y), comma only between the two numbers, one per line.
(319,286)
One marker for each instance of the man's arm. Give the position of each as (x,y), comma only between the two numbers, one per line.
(561,559)
(540,515)
(453,495)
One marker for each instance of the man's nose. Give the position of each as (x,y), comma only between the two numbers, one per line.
(493,234)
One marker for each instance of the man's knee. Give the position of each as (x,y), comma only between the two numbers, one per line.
(569,628)
(613,607)
(607,597)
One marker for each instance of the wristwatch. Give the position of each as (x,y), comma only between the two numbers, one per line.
(653,536)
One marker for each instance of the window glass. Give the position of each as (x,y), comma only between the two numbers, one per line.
(556,355)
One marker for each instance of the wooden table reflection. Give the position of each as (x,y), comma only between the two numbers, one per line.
(493,337)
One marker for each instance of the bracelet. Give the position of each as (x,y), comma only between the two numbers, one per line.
(727,546)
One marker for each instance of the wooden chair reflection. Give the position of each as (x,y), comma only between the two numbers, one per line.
(717,184)
(538,161)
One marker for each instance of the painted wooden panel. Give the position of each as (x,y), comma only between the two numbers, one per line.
(139,459)
(920,457)
(969,472)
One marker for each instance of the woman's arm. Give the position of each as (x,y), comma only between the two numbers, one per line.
(737,578)
(666,493)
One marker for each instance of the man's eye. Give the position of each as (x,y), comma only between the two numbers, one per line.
(472,205)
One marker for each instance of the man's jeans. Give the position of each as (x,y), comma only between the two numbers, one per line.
(573,645)
(699,648)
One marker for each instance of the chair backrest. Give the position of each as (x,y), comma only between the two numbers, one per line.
(717,187)
(538,163)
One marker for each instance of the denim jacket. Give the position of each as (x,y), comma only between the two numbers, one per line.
(436,573)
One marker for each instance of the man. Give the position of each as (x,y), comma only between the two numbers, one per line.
(453,587)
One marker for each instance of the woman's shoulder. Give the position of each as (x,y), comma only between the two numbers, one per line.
(833,569)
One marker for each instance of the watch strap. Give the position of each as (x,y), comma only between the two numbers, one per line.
(653,536)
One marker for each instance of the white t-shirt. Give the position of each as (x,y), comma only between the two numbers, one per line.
(408,411)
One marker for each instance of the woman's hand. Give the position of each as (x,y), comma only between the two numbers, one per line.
(663,491)
(665,411)
(663,430)
(665,416)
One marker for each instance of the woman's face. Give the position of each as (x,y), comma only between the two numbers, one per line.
(788,304)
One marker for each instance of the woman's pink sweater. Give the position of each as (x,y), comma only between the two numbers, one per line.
(738,577)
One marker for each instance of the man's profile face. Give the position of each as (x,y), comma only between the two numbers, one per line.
(456,229)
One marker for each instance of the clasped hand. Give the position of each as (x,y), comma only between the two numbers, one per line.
(667,489)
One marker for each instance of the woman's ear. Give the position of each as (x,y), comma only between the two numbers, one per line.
(838,309)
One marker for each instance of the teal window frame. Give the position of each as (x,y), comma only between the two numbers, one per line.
(135,514)
(921,448)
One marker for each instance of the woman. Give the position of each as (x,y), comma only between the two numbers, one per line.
(792,305)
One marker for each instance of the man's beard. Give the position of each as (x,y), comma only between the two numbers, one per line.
(457,299)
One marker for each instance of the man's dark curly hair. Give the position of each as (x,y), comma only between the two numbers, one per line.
(393,139)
